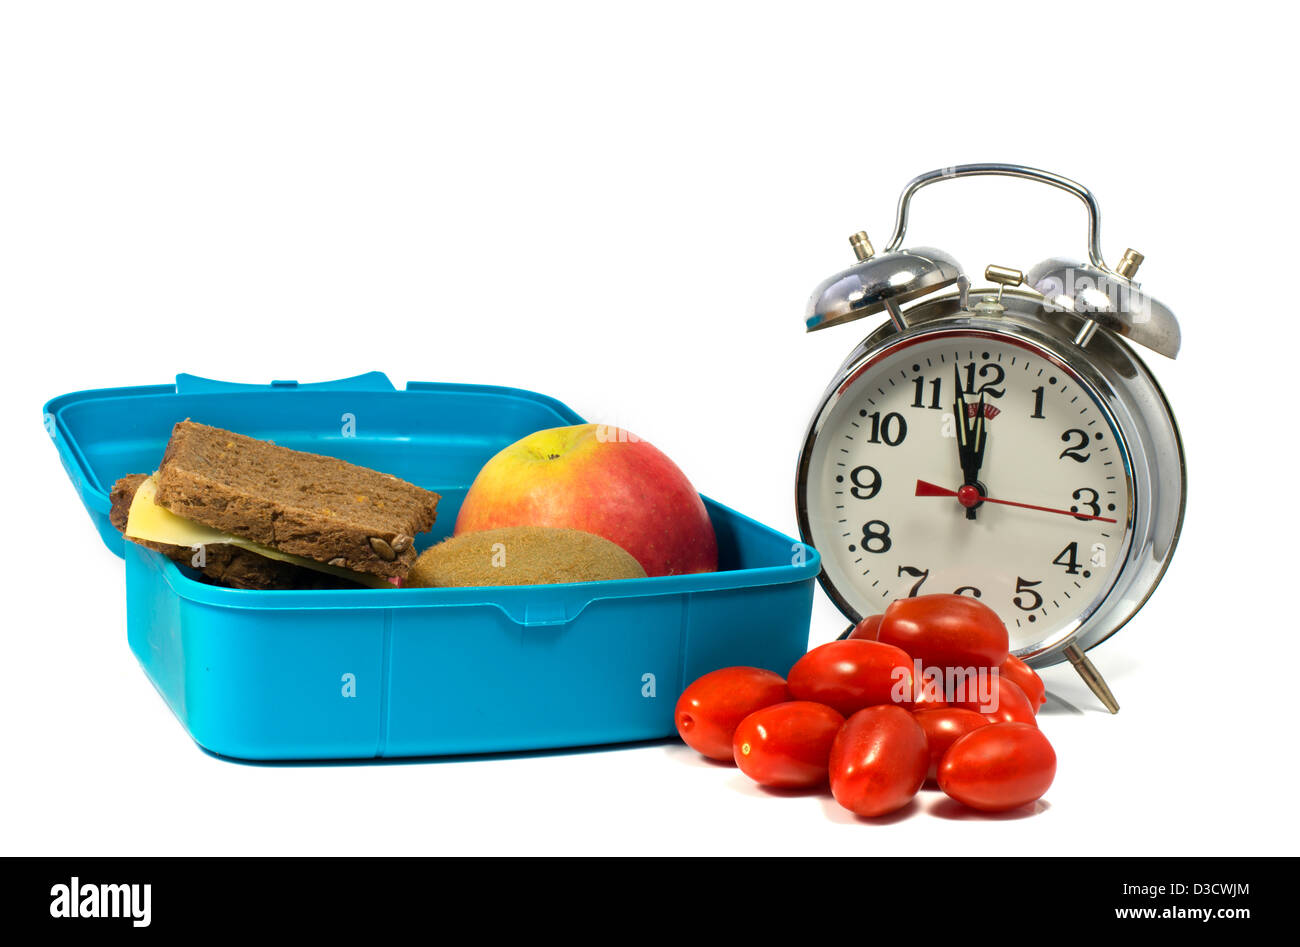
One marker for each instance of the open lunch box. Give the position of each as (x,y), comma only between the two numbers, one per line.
(374,673)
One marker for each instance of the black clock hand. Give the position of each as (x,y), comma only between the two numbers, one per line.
(977,442)
(971,438)
(963,430)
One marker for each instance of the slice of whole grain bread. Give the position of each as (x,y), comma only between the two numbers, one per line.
(222,563)
(297,502)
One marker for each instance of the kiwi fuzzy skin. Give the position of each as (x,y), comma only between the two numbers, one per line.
(522,555)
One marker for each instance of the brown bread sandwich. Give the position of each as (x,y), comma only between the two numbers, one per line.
(262,515)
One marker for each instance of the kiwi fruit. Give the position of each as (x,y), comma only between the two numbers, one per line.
(522,555)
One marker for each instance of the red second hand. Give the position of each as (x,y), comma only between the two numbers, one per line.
(926,489)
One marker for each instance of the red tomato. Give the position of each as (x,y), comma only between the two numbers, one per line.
(868,628)
(946,631)
(998,767)
(878,761)
(1006,703)
(1024,677)
(787,746)
(709,711)
(851,674)
(928,691)
(943,728)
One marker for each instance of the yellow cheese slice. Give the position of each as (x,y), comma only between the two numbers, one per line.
(148,521)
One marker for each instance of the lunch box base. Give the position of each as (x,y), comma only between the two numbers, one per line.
(459,679)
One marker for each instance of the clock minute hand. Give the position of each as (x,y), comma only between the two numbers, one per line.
(980,439)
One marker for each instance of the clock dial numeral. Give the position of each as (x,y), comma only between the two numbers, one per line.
(892,429)
(1092,503)
(919,574)
(991,370)
(1069,559)
(919,400)
(1023,587)
(1038,394)
(975,593)
(875,537)
(865,490)
(1073,450)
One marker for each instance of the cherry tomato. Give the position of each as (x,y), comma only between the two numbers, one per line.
(868,628)
(928,691)
(943,728)
(878,761)
(709,711)
(851,674)
(946,631)
(1005,703)
(998,767)
(1024,677)
(787,746)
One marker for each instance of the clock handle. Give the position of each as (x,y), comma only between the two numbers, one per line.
(1092,677)
(1011,171)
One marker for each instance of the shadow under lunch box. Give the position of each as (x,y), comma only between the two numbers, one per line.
(370,673)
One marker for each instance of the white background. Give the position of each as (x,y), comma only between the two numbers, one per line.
(627,208)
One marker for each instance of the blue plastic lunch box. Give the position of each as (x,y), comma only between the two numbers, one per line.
(367,674)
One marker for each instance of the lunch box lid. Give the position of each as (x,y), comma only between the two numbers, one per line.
(436,435)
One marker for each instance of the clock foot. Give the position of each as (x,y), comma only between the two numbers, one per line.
(1092,677)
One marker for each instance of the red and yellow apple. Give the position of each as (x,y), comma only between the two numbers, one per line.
(599,479)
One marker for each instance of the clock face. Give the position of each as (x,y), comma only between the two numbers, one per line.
(970,462)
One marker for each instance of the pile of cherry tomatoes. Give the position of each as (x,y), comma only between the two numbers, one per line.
(854,713)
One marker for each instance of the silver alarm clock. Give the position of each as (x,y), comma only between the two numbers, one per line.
(1005,443)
